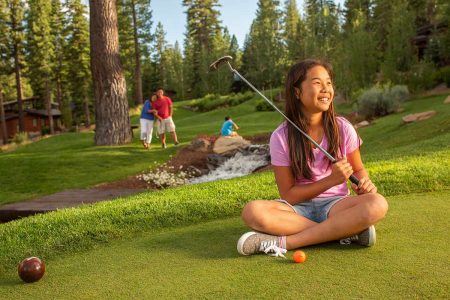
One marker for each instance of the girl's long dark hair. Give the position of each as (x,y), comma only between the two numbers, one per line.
(300,148)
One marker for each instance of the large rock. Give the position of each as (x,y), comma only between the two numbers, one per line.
(228,143)
(447,100)
(200,144)
(361,124)
(418,117)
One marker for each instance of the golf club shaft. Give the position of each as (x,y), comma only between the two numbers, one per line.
(352,178)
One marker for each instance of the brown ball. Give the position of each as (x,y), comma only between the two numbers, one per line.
(31,269)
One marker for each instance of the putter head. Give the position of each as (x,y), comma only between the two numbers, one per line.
(215,65)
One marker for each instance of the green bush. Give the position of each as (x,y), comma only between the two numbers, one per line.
(422,76)
(443,75)
(399,93)
(20,138)
(381,101)
(262,105)
(368,102)
(213,101)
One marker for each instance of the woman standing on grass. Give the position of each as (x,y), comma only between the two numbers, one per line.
(147,118)
(315,204)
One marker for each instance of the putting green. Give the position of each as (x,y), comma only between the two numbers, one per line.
(410,260)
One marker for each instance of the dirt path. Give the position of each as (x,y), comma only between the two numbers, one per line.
(61,200)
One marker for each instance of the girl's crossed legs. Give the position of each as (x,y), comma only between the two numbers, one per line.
(347,217)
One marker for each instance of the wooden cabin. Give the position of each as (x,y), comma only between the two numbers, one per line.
(35,116)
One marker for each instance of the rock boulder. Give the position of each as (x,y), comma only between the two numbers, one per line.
(227,143)
(418,117)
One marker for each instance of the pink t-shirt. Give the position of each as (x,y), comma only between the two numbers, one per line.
(279,153)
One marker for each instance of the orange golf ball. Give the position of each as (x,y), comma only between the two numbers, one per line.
(299,256)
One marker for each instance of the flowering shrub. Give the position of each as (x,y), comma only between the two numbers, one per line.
(164,177)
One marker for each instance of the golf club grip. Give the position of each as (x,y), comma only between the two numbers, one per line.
(354,180)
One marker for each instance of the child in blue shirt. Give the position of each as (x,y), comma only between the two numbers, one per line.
(228,126)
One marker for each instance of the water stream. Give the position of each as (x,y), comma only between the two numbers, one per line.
(241,164)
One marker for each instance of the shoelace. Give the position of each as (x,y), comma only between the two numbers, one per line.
(349,240)
(271,246)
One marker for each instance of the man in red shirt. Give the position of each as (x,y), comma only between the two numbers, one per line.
(163,106)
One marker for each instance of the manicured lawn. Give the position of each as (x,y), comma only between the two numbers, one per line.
(72,160)
(69,161)
(180,242)
(410,260)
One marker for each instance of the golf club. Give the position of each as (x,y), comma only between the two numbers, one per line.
(226,60)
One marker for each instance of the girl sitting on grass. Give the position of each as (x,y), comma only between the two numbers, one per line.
(315,204)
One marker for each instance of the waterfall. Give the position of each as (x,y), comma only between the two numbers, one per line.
(241,164)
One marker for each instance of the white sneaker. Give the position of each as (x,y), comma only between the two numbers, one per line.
(256,242)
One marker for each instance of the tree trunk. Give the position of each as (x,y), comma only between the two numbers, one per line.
(2,120)
(138,98)
(111,105)
(48,102)
(59,100)
(87,113)
(59,94)
(14,28)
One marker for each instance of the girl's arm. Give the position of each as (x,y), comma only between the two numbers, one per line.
(294,194)
(365,184)
(235,126)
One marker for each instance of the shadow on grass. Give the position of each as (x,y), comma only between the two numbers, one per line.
(11,282)
(218,240)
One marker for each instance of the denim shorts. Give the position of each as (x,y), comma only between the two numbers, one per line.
(316,209)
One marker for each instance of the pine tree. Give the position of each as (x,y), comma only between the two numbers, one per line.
(293,33)
(41,52)
(355,11)
(143,38)
(382,14)
(356,64)
(111,105)
(322,26)
(135,21)
(14,37)
(442,37)
(424,11)
(222,79)
(126,42)
(399,54)
(174,70)
(5,66)
(263,53)
(59,71)
(159,59)
(79,61)
(202,26)
(234,51)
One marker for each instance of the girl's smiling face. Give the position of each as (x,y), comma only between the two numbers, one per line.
(316,91)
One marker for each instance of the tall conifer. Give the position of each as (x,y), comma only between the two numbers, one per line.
(41,52)
(79,61)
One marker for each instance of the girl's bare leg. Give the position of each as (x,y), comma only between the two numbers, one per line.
(348,217)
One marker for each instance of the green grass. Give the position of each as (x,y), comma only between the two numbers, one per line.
(201,261)
(126,247)
(69,161)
